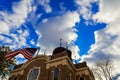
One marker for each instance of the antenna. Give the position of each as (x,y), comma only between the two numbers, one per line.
(60,42)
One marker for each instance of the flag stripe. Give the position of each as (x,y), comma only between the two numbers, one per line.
(27,53)
(11,53)
(8,57)
(27,56)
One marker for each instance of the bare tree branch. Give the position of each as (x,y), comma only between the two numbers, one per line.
(103,69)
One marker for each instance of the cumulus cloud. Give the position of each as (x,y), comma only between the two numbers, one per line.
(45,4)
(20,13)
(109,11)
(52,29)
(5,27)
(19,40)
(11,24)
(5,39)
(107,40)
(75,50)
(84,8)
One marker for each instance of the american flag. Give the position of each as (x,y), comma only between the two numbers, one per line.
(26,52)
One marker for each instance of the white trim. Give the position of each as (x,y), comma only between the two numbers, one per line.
(31,70)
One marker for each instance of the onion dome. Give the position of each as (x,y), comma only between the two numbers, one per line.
(58,50)
(61,49)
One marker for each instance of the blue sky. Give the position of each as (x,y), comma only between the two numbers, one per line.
(91,27)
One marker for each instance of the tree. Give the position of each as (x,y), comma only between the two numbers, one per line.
(5,66)
(103,69)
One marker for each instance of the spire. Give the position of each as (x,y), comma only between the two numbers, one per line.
(66,45)
(45,52)
(60,42)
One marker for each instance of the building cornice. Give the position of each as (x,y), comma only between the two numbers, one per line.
(61,60)
(44,57)
(17,72)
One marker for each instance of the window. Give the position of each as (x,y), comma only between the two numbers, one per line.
(56,74)
(15,78)
(82,78)
(34,74)
(68,76)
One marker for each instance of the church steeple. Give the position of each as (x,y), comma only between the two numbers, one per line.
(66,45)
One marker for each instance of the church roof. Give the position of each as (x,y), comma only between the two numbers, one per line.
(60,50)
(81,65)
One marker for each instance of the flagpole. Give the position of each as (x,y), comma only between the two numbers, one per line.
(38,51)
(36,56)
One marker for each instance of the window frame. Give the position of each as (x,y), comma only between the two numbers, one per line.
(69,76)
(82,77)
(54,73)
(31,71)
(15,78)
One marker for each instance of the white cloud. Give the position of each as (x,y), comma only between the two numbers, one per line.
(58,27)
(107,40)
(85,8)
(45,4)
(109,11)
(11,22)
(44,20)
(4,27)
(32,42)
(15,19)
(5,39)
(118,78)
(75,50)
(25,33)
(21,11)
(19,40)
(15,41)
(106,46)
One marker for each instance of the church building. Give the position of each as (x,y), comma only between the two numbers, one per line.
(58,66)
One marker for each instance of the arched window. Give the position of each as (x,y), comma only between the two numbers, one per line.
(56,74)
(33,74)
(69,77)
(15,78)
(82,78)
